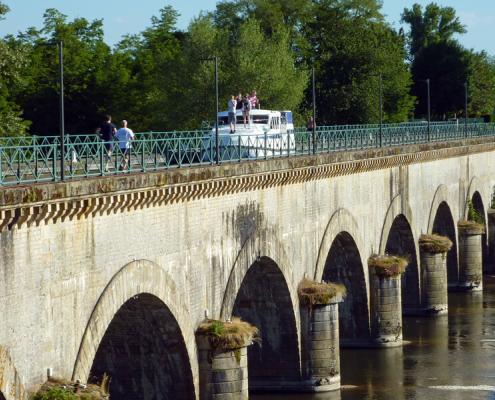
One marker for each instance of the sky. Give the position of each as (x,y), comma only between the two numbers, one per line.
(129,16)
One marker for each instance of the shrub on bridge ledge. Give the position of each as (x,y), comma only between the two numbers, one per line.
(471,227)
(228,335)
(435,243)
(62,390)
(387,266)
(312,292)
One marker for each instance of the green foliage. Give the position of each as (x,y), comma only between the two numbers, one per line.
(481,81)
(163,78)
(12,59)
(216,328)
(55,393)
(474,215)
(352,46)
(437,56)
(434,24)
(446,64)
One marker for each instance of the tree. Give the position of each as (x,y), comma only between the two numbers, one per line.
(435,24)
(481,84)
(86,57)
(12,58)
(446,64)
(351,46)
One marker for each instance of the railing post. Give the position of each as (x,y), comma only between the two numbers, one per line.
(211,152)
(180,153)
(266,145)
(239,147)
(155,146)
(35,148)
(102,158)
(1,164)
(143,145)
(55,159)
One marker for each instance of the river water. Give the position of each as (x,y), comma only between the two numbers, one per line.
(446,358)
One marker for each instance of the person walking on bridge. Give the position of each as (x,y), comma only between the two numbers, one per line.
(125,136)
(107,131)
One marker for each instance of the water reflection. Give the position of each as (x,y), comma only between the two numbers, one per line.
(447,358)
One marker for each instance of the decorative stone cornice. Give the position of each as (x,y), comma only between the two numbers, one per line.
(201,182)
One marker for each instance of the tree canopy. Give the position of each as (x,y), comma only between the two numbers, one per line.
(437,55)
(163,77)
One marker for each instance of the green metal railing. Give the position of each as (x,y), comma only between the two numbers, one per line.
(26,160)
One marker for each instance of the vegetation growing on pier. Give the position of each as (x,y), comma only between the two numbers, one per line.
(474,215)
(228,335)
(56,389)
(471,226)
(386,266)
(311,292)
(435,243)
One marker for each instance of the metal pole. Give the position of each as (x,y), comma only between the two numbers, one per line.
(217,138)
(381,109)
(62,112)
(429,106)
(314,112)
(465,108)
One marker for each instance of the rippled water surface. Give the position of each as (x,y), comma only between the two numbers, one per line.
(451,357)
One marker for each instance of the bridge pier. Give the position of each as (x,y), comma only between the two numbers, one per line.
(320,336)
(433,255)
(470,256)
(386,303)
(490,262)
(223,360)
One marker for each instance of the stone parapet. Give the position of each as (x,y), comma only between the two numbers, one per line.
(50,202)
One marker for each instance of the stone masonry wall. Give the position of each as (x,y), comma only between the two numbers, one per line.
(52,273)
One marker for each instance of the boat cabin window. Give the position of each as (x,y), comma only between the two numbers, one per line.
(260,119)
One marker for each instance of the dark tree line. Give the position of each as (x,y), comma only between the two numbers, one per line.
(162,78)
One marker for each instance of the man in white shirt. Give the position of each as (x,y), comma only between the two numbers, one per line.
(125,135)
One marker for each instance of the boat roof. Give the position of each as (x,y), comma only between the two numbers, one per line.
(252,112)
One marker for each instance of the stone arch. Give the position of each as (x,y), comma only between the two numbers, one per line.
(343,265)
(11,387)
(261,291)
(341,221)
(398,206)
(444,224)
(441,196)
(480,196)
(262,242)
(140,285)
(484,195)
(398,238)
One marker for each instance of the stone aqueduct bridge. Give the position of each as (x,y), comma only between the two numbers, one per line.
(115,274)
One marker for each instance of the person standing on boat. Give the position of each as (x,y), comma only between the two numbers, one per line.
(254,100)
(246,110)
(231,106)
(239,102)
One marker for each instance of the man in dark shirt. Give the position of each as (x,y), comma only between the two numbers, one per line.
(107,132)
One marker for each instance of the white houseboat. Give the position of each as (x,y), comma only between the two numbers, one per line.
(267,133)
